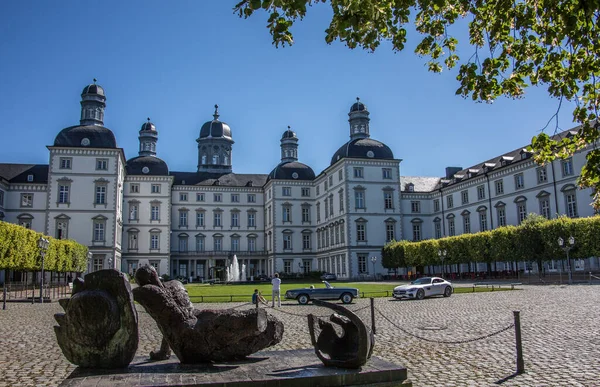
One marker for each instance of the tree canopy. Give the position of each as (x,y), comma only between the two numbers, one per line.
(516,44)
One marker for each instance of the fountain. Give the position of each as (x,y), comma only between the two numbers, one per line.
(234,272)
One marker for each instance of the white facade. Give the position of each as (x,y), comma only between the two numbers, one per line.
(190,224)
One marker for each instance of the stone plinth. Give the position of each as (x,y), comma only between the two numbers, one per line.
(299,368)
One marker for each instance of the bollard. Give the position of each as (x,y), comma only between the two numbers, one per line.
(373,315)
(4,296)
(520,364)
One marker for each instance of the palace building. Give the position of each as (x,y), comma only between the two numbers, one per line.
(290,220)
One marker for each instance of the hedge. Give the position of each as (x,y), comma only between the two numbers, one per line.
(19,251)
(534,240)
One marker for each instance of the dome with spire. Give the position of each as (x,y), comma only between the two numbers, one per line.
(358,106)
(215,128)
(363,148)
(93,89)
(148,127)
(288,134)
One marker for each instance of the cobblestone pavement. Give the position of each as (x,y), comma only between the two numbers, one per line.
(560,328)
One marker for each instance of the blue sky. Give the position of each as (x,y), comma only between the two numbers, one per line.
(173,60)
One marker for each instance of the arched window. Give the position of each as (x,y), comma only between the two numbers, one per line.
(203,159)
(215,159)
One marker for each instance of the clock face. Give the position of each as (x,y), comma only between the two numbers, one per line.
(85,142)
(145,170)
(295,175)
(370,154)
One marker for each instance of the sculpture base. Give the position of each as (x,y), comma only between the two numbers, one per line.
(275,368)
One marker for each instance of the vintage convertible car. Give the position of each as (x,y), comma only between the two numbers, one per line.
(424,287)
(326,293)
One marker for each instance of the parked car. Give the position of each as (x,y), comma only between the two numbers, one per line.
(327,292)
(181,279)
(329,277)
(424,287)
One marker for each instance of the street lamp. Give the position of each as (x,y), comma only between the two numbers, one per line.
(442,254)
(373,259)
(567,248)
(43,244)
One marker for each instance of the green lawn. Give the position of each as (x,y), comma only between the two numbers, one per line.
(230,292)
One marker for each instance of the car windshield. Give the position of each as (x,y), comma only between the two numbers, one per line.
(327,285)
(422,281)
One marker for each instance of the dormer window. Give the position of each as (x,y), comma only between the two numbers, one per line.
(30,178)
(410,187)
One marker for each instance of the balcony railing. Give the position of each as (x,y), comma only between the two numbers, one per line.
(221,253)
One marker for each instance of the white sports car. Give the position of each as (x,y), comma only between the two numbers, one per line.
(424,287)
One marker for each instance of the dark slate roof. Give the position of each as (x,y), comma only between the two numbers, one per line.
(227,179)
(99,136)
(215,128)
(358,107)
(359,148)
(93,89)
(420,183)
(292,170)
(17,173)
(156,166)
(288,134)
(148,127)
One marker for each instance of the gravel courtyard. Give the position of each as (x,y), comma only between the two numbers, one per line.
(560,328)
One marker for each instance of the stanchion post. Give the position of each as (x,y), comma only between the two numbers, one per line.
(373,315)
(520,364)
(4,296)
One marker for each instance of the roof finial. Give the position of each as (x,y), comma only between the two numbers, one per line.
(216,115)
(289,127)
(148,119)
(95,81)
(357,99)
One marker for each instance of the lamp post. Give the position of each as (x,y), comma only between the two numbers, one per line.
(43,244)
(567,248)
(373,259)
(442,254)
(90,263)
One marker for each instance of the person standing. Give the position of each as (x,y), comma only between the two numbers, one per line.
(276,282)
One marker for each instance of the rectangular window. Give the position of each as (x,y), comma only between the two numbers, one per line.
(200,243)
(155,212)
(567,167)
(200,218)
(155,188)
(325,186)
(183,244)
(305,192)
(521,211)
(362,264)
(326,205)
(340,175)
(449,201)
(98,231)
(451,227)
(27,200)
(438,229)
(388,200)
(235,198)
(217,219)
(467,223)
(63,194)
(571,202)
(317,188)
(287,242)
(318,212)
(251,219)
(436,205)
(359,199)
(286,191)
(235,244)
(305,215)
(101,164)
(200,197)
(331,205)
(251,244)
(183,218)
(483,221)
(358,172)
(134,188)
(269,217)
(251,198)
(98,263)
(499,187)
(519,181)
(100,194)
(464,195)
(330,181)
(545,207)
(480,192)
(415,206)
(217,198)
(218,242)
(133,241)
(387,173)
(501,212)
(286,214)
(390,232)
(287,266)
(360,232)
(133,211)
(416,231)
(65,163)
(183,197)
(306,241)
(235,219)
(341,193)
(542,176)
(154,242)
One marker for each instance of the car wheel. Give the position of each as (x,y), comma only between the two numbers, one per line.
(303,299)
(447,291)
(346,298)
(420,294)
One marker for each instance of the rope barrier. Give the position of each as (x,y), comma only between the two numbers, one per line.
(444,341)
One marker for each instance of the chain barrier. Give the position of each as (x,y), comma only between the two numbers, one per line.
(444,341)
(318,316)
